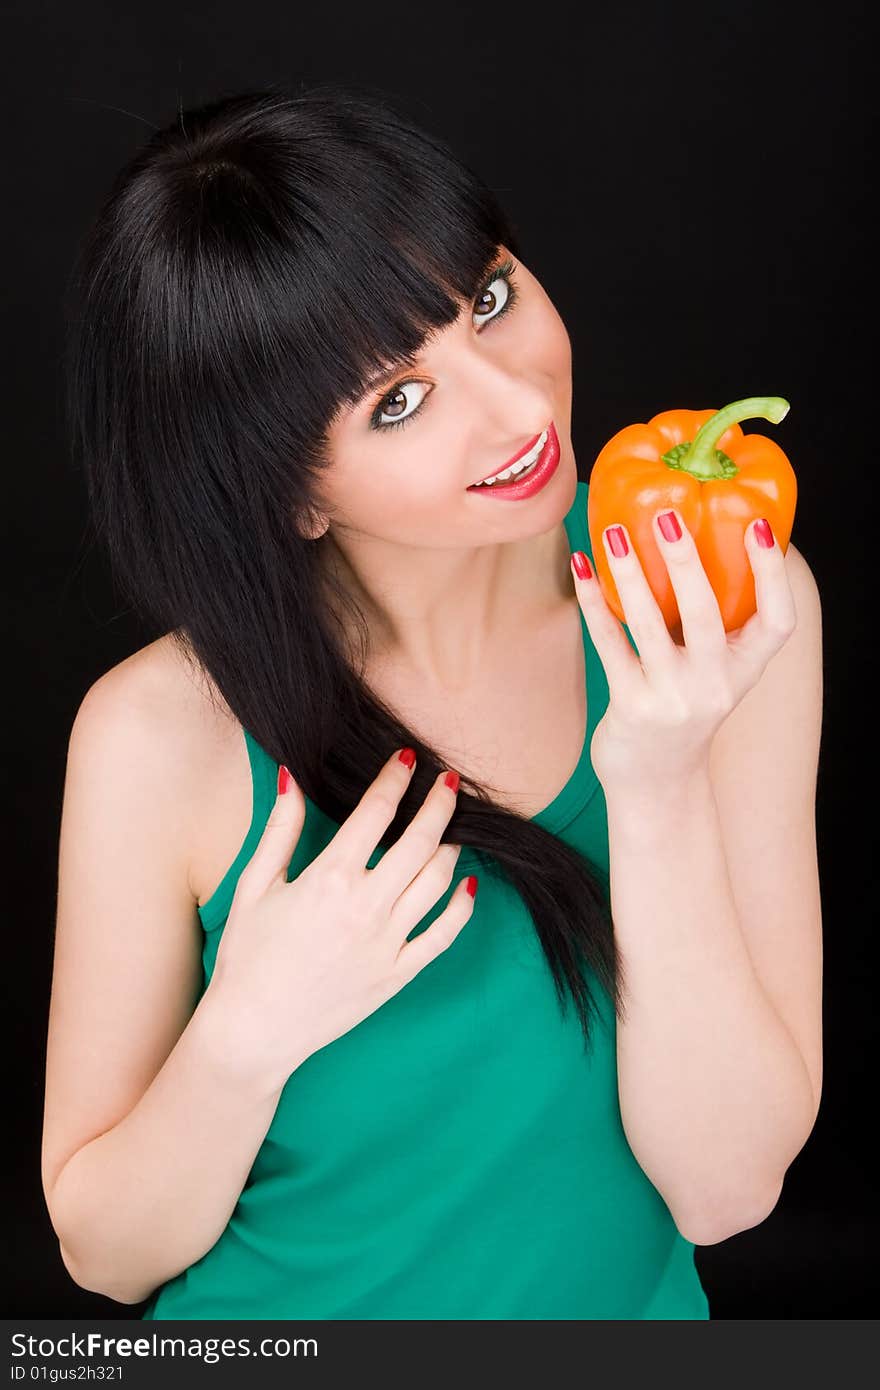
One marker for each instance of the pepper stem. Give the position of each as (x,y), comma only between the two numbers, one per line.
(700,458)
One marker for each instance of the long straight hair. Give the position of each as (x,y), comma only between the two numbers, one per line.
(250,267)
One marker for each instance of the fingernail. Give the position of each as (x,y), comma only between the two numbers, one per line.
(451,780)
(764,534)
(617,541)
(668,523)
(472,885)
(407,756)
(284,779)
(581,564)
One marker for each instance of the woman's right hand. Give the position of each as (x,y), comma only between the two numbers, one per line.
(301,963)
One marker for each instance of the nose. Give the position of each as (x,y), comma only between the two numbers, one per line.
(508,407)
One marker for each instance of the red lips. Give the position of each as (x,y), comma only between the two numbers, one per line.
(531,444)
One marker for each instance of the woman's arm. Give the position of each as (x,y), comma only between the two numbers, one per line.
(148,1132)
(137,1205)
(715,1097)
(719,1052)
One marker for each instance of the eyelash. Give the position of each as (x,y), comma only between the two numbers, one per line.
(501,272)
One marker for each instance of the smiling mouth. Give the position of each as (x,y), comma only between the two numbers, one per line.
(520,467)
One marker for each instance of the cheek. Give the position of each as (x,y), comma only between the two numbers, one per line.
(418,474)
(400,487)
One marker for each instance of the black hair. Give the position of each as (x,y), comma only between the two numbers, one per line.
(250,267)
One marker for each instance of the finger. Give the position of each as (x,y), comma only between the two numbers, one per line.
(403,860)
(621,663)
(643,616)
(426,889)
(360,832)
(271,858)
(436,938)
(701,622)
(776,615)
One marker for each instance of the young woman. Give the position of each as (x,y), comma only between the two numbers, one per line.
(430,944)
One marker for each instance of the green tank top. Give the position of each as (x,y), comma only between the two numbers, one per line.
(457,1154)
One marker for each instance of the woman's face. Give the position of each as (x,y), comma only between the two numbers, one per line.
(485,387)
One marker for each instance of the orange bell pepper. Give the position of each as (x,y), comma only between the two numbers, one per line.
(719,479)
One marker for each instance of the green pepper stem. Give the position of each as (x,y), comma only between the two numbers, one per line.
(700,458)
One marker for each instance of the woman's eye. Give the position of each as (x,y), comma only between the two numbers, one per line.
(400,405)
(494,300)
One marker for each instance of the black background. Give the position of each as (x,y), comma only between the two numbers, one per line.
(689,182)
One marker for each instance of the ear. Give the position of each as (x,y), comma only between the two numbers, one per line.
(312,528)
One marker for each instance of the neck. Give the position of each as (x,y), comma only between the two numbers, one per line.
(443,615)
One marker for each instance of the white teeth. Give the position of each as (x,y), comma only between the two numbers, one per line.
(521,464)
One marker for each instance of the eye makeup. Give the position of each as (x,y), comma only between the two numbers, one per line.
(500,272)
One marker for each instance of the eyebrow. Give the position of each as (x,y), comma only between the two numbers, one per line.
(381,377)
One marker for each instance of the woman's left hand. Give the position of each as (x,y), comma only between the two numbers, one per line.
(667,702)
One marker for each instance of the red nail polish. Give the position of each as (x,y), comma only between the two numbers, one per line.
(617,542)
(471,885)
(451,780)
(284,779)
(407,756)
(764,534)
(668,523)
(581,564)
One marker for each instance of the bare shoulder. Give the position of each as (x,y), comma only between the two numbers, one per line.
(127,966)
(159,680)
(164,719)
